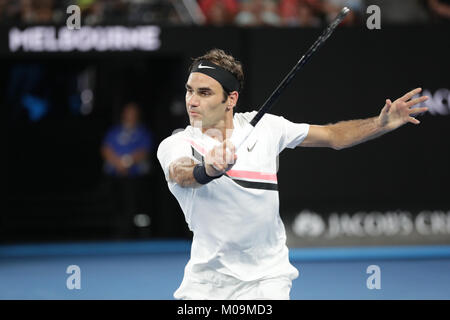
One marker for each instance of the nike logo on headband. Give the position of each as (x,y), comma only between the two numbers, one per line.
(200,66)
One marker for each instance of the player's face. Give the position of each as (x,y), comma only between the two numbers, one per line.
(204,100)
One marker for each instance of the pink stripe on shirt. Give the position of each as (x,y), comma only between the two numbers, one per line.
(196,146)
(240,173)
(252,175)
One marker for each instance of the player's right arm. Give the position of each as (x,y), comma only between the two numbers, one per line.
(180,170)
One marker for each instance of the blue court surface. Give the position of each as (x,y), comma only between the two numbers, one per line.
(145,270)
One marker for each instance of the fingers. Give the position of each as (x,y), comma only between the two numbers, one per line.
(229,152)
(413,102)
(387,106)
(416,111)
(222,157)
(413,120)
(410,94)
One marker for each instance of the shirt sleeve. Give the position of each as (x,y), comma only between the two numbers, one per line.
(294,134)
(288,134)
(171,149)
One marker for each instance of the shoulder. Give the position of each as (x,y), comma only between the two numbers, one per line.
(114,129)
(174,147)
(275,121)
(244,116)
(175,140)
(272,118)
(175,137)
(112,133)
(142,129)
(268,118)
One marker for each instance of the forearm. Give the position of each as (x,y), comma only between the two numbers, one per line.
(110,156)
(218,160)
(139,155)
(346,134)
(182,172)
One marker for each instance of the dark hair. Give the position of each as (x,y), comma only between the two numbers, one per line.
(226,61)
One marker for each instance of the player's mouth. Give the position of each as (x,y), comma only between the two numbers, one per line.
(193,113)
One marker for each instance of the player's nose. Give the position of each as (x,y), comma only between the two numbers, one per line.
(193,100)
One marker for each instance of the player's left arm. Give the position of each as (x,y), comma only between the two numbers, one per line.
(346,134)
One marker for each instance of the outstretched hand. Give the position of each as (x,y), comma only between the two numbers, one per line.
(397,113)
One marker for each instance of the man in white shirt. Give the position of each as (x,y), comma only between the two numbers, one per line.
(230,197)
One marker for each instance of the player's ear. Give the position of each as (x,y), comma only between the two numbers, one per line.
(232,99)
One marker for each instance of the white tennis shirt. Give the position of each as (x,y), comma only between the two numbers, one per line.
(237,229)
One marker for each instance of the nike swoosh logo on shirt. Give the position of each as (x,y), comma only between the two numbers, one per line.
(200,66)
(249,149)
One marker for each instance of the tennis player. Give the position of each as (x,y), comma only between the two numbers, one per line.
(229,197)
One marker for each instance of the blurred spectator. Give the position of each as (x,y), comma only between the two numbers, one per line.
(115,11)
(331,8)
(43,11)
(126,150)
(8,12)
(401,11)
(126,146)
(219,12)
(92,11)
(33,11)
(440,9)
(29,11)
(26,93)
(299,13)
(258,13)
(222,12)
